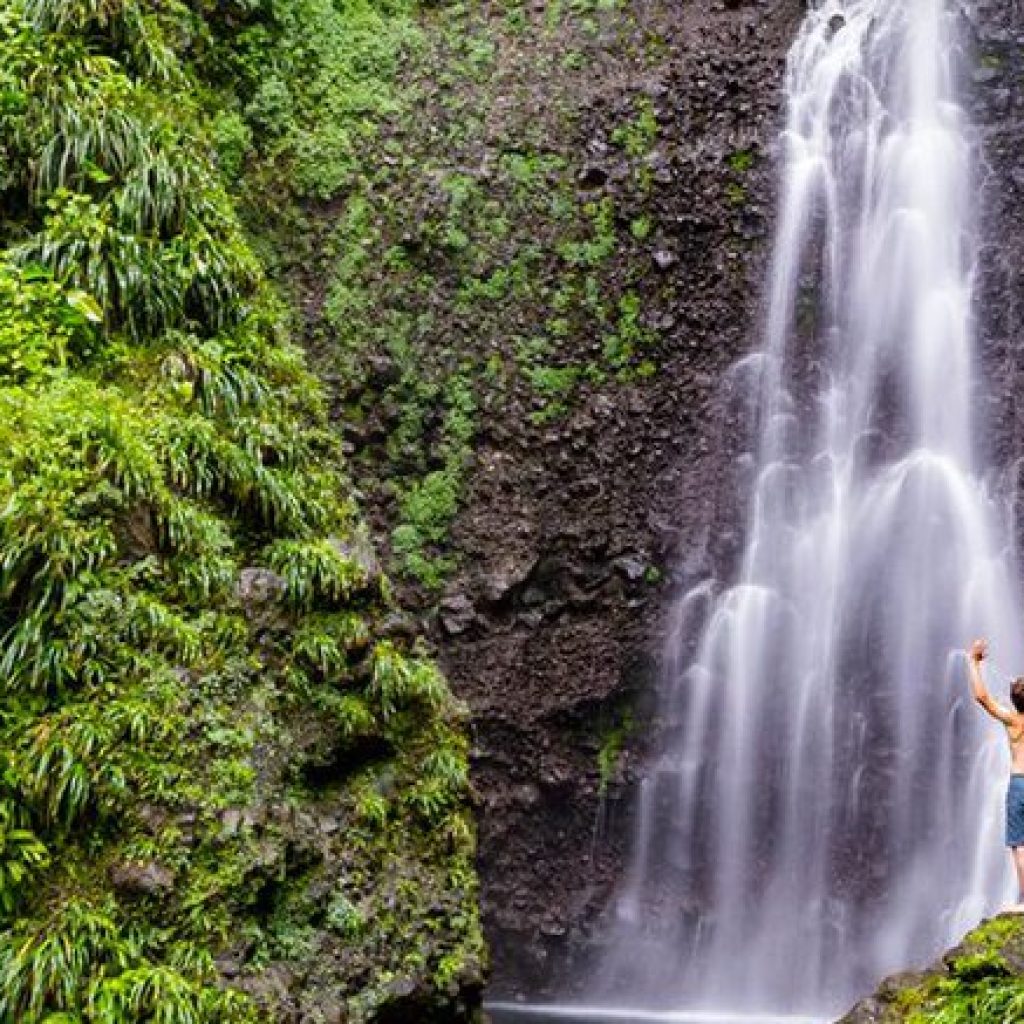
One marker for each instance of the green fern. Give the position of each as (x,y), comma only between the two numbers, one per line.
(319,649)
(398,680)
(161,995)
(187,529)
(75,760)
(22,857)
(46,965)
(124,23)
(316,573)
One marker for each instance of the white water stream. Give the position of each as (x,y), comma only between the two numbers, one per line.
(830,809)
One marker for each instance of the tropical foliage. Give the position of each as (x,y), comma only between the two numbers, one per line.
(180,577)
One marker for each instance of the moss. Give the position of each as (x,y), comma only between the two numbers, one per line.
(640,228)
(735,193)
(741,161)
(427,508)
(638,136)
(610,753)
(977,983)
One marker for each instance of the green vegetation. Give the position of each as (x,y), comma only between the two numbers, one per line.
(980,986)
(741,161)
(201,726)
(429,505)
(313,79)
(609,755)
(637,137)
(978,983)
(735,193)
(466,276)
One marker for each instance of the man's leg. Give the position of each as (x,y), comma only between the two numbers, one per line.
(1018,863)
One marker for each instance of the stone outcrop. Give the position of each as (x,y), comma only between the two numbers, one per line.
(982,975)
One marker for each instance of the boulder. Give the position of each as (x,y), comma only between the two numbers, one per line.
(509,570)
(259,586)
(457,614)
(147,878)
(359,550)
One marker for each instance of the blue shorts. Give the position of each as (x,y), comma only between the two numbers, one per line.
(1015,811)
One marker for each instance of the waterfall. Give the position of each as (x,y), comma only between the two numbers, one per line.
(829,807)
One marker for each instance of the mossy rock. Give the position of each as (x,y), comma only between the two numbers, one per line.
(980,981)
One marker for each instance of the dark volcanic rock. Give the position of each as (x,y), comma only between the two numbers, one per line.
(359,550)
(653,468)
(259,587)
(457,614)
(145,879)
(997,105)
(589,505)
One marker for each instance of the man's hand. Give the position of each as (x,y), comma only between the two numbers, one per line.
(976,655)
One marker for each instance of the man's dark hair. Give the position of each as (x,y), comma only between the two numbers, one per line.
(1017,694)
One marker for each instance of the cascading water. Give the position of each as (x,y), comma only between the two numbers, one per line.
(830,807)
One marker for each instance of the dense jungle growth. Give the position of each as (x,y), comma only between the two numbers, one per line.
(231,791)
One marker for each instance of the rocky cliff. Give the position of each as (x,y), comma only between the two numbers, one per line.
(553,624)
(996,90)
(522,243)
(554,634)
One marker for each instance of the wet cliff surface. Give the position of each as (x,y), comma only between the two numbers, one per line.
(996,108)
(550,633)
(576,535)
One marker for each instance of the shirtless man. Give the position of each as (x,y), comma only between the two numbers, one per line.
(1014,722)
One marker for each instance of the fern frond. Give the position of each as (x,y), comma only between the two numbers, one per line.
(315,572)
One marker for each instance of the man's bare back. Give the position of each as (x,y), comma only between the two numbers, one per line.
(1015,734)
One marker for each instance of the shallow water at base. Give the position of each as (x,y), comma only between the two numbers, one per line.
(527,1013)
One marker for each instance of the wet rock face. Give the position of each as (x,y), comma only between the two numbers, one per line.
(576,534)
(576,537)
(996,88)
(145,879)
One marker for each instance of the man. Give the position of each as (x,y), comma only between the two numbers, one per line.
(1014,722)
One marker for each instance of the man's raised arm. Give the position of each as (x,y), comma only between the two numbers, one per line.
(979,691)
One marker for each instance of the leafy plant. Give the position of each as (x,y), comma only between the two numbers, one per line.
(315,572)
(398,680)
(162,440)
(22,856)
(42,324)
